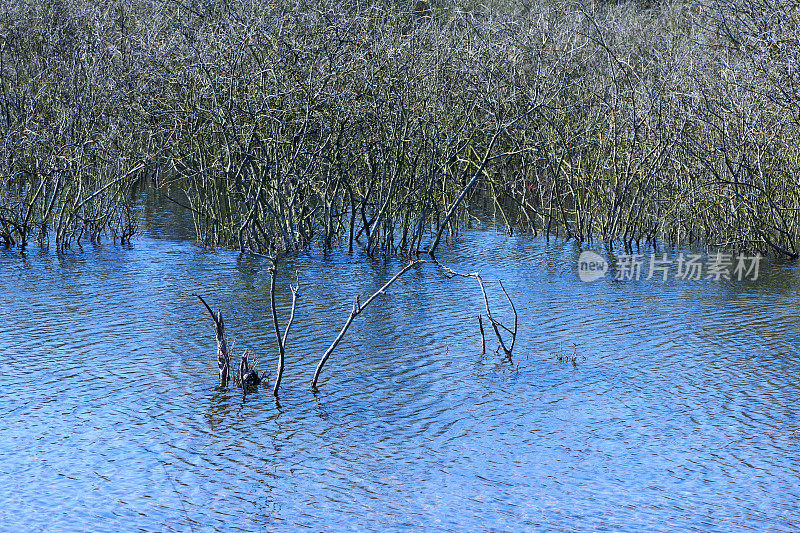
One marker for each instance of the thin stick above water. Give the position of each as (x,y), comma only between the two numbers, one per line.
(357,309)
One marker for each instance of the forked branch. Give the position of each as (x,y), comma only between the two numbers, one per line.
(496,324)
(281,341)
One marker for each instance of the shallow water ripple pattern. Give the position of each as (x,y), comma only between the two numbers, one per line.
(679,416)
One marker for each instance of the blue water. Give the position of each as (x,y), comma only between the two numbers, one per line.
(679,414)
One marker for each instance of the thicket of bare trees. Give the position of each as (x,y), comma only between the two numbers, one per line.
(368,123)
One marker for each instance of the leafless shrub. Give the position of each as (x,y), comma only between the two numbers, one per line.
(69,150)
(379,123)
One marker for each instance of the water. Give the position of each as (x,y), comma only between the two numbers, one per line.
(680,414)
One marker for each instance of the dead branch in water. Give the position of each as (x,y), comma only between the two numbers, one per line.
(496,324)
(223,357)
(483,336)
(281,341)
(357,309)
(248,377)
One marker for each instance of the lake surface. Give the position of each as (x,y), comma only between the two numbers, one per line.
(681,413)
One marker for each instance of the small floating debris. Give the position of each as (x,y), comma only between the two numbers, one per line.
(568,357)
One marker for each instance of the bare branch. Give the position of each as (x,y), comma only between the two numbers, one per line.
(356,310)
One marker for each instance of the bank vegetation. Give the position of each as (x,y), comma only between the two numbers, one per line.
(382,124)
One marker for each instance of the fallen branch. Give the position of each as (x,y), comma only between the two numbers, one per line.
(357,309)
(516,319)
(495,324)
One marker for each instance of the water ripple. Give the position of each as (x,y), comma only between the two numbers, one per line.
(679,413)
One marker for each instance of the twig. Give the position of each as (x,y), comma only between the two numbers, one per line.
(514,333)
(294,289)
(483,336)
(494,322)
(357,309)
(281,341)
(496,325)
(281,353)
